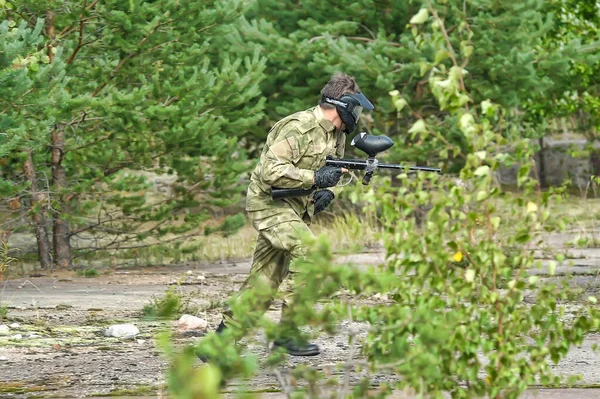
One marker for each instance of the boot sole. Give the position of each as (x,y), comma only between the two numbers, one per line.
(299,353)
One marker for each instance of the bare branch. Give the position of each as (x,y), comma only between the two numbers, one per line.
(349,362)
(448,44)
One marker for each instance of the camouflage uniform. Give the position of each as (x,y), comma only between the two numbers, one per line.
(296,147)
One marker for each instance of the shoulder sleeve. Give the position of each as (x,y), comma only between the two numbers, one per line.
(286,144)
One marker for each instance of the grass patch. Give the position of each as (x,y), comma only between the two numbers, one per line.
(19,388)
(140,390)
(348,231)
(169,306)
(91,272)
(3,311)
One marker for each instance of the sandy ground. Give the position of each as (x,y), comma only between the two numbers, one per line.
(68,355)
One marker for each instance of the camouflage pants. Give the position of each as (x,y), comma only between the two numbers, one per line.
(278,244)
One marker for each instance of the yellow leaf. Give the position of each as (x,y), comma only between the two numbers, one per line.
(457,257)
(531,207)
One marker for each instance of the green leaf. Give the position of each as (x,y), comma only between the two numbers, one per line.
(552,267)
(487,108)
(466,124)
(533,279)
(496,221)
(420,17)
(483,170)
(441,55)
(418,127)
(482,195)
(400,104)
(466,49)
(470,275)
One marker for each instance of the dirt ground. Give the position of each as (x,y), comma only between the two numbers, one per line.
(63,352)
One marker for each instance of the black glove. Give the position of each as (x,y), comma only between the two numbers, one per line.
(328,176)
(322,199)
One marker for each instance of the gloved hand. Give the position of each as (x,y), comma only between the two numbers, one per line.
(322,199)
(328,176)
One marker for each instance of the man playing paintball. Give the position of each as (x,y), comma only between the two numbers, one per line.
(294,157)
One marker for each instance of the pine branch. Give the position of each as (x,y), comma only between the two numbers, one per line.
(116,70)
(357,38)
(79,42)
(70,28)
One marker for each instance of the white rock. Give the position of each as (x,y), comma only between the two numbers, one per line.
(14,325)
(189,272)
(122,331)
(3,359)
(191,323)
(17,336)
(4,330)
(201,278)
(34,336)
(141,341)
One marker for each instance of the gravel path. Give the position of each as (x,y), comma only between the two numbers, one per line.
(62,351)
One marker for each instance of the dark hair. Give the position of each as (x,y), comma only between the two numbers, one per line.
(338,85)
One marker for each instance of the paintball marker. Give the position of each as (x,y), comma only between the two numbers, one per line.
(371,145)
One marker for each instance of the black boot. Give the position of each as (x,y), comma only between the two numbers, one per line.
(220,328)
(294,348)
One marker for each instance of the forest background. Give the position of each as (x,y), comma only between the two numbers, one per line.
(96,94)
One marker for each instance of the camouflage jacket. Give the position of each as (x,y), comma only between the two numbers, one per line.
(296,147)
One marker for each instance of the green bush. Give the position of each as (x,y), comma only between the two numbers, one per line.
(91,272)
(169,306)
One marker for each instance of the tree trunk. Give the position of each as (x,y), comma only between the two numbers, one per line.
(62,245)
(51,33)
(38,217)
(542,166)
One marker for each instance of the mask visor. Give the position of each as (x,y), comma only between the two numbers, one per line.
(363,101)
(356,111)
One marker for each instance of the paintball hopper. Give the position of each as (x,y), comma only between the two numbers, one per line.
(371,145)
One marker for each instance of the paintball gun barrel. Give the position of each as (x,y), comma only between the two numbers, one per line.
(371,145)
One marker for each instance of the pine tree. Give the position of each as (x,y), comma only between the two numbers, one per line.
(147,91)
(506,55)
(32,92)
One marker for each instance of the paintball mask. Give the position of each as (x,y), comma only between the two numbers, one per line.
(349,107)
